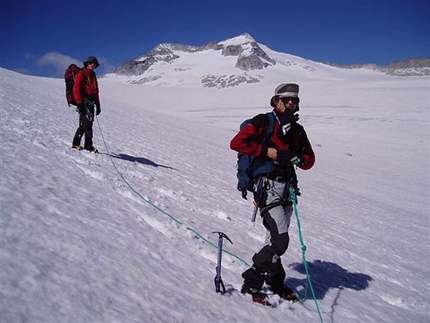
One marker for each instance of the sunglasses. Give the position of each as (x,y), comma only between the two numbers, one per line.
(285,100)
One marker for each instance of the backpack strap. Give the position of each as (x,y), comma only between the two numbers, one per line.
(270,128)
(262,165)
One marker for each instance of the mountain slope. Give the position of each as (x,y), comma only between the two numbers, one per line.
(80,245)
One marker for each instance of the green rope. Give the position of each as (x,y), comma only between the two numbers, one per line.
(305,263)
(197,234)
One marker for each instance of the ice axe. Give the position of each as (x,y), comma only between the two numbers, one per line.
(219,285)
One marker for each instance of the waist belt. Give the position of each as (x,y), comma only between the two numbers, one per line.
(276,178)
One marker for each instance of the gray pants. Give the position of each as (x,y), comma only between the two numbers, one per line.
(276,217)
(277,193)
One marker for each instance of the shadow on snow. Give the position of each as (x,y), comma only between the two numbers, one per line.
(140,160)
(325,276)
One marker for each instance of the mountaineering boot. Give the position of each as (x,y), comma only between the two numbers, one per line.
(253,282)
(261,298)
(91,149)
(258,296)
(77,147)
(287,294)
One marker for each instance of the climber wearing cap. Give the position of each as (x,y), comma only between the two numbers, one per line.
(276,153)
(86,94)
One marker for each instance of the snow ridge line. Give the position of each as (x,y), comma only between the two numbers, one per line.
(197,234)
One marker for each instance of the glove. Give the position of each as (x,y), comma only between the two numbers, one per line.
(98,110)
(287,120)
(82,109)
(287,157)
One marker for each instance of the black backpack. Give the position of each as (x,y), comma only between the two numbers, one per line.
(69,78)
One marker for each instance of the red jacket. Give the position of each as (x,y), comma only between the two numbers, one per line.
(86,86)
(249,140)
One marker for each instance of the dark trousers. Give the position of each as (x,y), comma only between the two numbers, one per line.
(85,128)
(267,267)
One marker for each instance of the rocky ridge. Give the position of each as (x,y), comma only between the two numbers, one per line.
(408,67)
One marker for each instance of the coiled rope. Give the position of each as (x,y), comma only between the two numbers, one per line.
(198,235)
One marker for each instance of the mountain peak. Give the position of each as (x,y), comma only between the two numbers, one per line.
(250,56)
(238,40)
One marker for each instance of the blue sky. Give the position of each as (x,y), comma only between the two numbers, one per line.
(39,37)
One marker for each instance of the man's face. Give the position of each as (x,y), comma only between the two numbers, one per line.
(287,102)
(91,66)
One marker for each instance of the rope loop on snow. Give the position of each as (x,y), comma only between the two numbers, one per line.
(197,234)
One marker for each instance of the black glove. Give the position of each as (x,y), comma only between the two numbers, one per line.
(287,120)
(98,110)
(287,157)
(260,192)
(82,109)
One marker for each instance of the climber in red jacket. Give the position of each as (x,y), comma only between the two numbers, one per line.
(275,159)
(86,94)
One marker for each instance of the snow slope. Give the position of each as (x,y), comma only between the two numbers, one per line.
(120,236)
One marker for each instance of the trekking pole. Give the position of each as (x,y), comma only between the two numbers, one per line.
(218,281)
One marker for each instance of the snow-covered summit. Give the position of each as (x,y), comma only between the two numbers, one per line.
(232,62)
(238,40)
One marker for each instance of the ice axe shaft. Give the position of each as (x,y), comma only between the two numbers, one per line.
(219,285)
